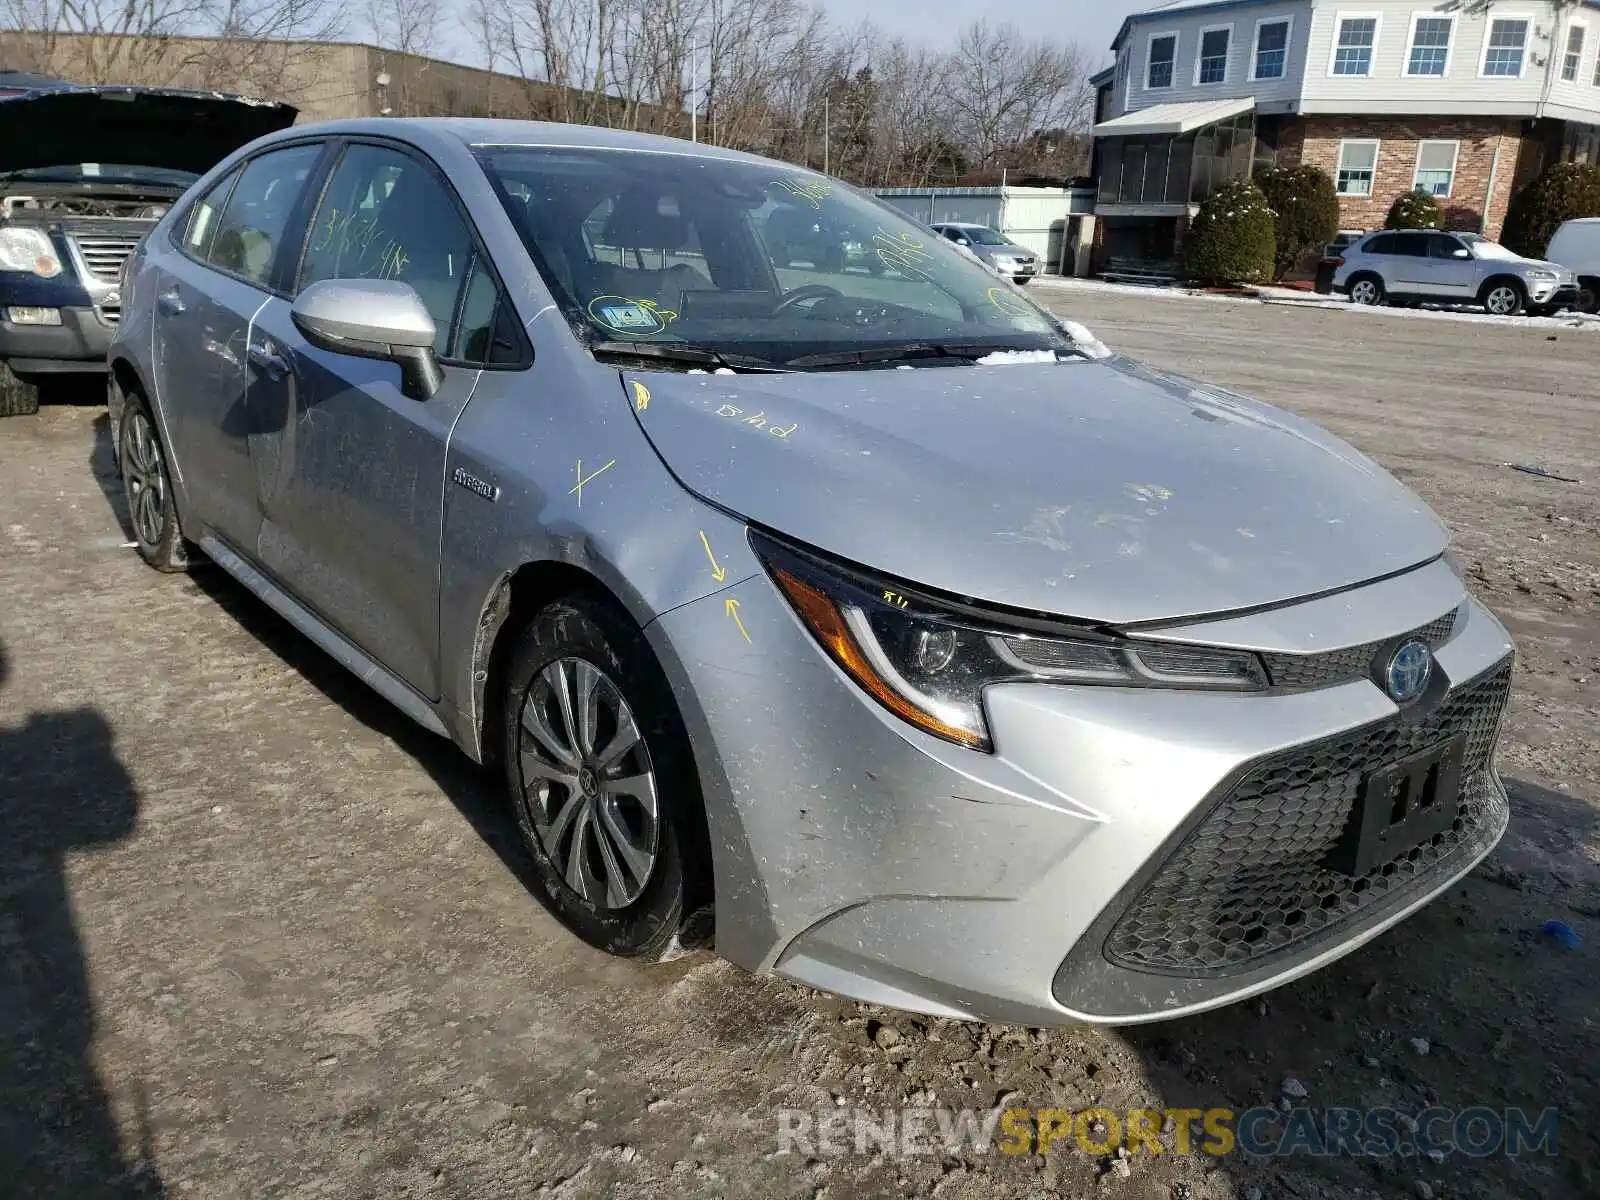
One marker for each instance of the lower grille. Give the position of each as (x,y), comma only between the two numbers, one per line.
(104,254)
(1251,879)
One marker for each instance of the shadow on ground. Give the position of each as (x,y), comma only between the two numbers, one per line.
(62,790)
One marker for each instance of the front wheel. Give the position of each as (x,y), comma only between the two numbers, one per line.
(147,488)
(1588,296)
(1367,289)
(600,775)
(1503,299)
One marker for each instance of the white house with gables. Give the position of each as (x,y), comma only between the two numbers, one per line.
(1466,98)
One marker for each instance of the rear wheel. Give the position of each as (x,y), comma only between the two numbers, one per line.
(18,398)
(1503,298)
(1366,289)
(147,487)
(600,775)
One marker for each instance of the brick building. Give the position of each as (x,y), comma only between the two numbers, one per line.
(1467,102)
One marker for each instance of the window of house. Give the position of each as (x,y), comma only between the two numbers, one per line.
(1163,53)
(1574,55)
(1436,167)
(1504,52)
(1430,46)
(1357,162)
(1272,48)
(1352,51)
(1212,64)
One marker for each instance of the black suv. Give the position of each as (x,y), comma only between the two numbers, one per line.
(85,173)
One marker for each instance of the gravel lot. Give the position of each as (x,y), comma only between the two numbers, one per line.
(261,937)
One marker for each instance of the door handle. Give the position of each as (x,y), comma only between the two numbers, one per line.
(170,302)
(268,361)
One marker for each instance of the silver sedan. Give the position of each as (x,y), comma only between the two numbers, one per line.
(874,626)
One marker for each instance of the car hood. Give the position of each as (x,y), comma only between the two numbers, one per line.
(148,127)
(1102,490)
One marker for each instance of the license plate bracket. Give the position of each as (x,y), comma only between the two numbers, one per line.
(1400,807)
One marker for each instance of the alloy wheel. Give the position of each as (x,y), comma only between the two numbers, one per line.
(146,477)
(1364,292)
(1501,300)
(588,785)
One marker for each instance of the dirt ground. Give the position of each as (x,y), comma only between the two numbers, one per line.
(261,937)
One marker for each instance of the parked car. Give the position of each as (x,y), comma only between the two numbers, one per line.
(1411,265)
(1576,246)
(85,172)
(940,657)
(1006,257)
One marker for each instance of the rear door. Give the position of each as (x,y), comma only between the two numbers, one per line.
(354,468)
(1411,270)
(205,298)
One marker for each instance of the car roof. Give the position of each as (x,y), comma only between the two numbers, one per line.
(495,131)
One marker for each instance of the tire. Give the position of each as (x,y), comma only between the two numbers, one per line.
(1588,295)
(621,881)
(1366,289)
(147,488)
(1022,280)
(1502,298)
(18,398)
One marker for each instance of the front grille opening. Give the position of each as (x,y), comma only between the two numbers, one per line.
(1251,878)
(103,255)
(1302,672)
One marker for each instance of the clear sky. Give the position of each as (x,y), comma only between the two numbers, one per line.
(935,23)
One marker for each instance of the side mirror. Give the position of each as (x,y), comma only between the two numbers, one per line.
(373,318)
(1461,252)
(963,242)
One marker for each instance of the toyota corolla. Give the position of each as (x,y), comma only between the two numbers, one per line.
(861,619)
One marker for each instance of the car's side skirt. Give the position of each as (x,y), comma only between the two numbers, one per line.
(371,673)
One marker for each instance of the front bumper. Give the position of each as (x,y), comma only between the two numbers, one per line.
(857,855)
(78,344)
(1564,295)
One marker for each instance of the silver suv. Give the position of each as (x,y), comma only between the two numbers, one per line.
(1410,265)
(951,662)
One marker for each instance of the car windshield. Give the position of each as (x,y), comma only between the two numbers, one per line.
(91,173)
(1482,247)
(762,261)
(983,236)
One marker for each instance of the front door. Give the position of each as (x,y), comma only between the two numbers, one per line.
(206,296)
(1455,271)
(353,469)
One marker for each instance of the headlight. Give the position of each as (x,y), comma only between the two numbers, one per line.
(1543,275)
(25,249)
(928,661)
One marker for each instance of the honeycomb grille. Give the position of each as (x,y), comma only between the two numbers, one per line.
(1250,880)
(1304,671)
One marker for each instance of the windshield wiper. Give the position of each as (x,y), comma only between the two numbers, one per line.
(682,352)
(907,350)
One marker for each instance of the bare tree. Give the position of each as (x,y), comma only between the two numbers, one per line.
(1001,87)
(147,40)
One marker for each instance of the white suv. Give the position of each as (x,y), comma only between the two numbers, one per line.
(1408,265)
(1576,246)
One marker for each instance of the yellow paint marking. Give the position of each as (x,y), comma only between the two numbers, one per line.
(718,572)
(641,396)
(732,606)
(583,480)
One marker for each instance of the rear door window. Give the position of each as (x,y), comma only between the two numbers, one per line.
(201,227)
(250,231)
(1382,244)
(1411,245)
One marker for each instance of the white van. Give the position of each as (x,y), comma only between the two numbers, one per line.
(1576,246)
